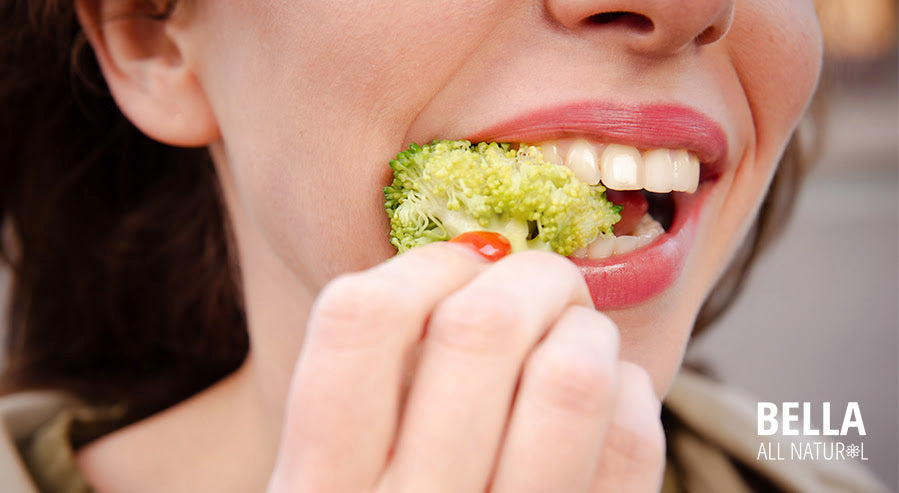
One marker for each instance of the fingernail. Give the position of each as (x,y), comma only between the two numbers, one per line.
(492,246)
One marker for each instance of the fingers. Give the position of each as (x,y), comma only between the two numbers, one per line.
(563,408)
(346,387)
(471,358)
(518,386)
(633,457)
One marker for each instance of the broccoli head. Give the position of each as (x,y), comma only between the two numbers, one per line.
(448,188)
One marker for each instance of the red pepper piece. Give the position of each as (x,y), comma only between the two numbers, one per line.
(492,246)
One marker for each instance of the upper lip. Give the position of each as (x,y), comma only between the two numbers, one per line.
(647,126)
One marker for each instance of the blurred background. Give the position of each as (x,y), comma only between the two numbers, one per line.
(818,320)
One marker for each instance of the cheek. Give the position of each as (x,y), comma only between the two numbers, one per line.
(313,99)
(775,48)
(325,75)
(777,51)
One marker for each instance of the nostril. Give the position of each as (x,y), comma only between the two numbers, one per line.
(710,35)
(637,22)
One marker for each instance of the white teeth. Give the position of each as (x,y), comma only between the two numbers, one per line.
(643,240)
(602,247)
(668,170)
(694,172)
(606,246)
(685,169)
(659,171)
(625,244)
(581,159)
(648,227)
(551,153)
(622,167)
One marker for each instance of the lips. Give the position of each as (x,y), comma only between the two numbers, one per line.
(641,126)
(627,279)
(624,280)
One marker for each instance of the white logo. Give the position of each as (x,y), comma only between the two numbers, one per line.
(786,420)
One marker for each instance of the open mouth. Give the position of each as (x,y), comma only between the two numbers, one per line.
(642,182)
(638,153)
(660,191)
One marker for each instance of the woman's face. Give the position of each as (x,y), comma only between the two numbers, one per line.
(314,98)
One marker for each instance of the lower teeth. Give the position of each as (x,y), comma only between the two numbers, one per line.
(606,246)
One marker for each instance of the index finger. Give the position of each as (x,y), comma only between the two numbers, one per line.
(344,401)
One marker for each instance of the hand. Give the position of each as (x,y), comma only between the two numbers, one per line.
(440,372)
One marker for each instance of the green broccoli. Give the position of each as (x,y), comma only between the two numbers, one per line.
(451,187)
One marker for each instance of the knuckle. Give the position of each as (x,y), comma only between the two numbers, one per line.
(552,262)
(555,270)
(635,449)
(479,321)
(571,379)
(636,376)
(350,310)
(636,434)
(603,335)
(537,256)
(441,252)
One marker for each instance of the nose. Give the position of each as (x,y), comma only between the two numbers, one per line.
(653,27)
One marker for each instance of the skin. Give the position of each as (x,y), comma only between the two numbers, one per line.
(301,105)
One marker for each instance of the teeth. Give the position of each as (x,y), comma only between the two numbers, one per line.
(659,171)
(621,167)
(648,227)
(606,246)
(625,244)
(582,160)
(550,153)
(602,247)
(685,170)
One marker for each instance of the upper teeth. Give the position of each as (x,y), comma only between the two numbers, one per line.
(621,167)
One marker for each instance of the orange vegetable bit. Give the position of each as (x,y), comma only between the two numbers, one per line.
(492,246)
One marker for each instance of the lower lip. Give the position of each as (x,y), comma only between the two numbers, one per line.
(635,277)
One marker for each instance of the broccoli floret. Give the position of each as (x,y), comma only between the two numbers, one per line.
(451,187)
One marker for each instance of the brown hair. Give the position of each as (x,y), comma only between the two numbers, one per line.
(123,287)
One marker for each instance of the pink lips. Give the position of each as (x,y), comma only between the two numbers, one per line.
(625,280)
(629,279)
(642,126)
